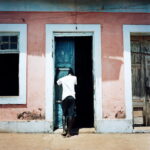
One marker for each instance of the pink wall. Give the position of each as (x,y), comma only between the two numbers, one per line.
(112,56)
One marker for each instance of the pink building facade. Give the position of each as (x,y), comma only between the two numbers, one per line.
(32,110)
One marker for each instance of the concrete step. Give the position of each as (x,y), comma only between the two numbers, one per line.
(141,129)
(79,131)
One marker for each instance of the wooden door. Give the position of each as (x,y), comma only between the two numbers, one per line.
(140,58)
(64,59)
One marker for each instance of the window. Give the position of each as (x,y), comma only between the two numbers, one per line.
(13,63)
(9,63)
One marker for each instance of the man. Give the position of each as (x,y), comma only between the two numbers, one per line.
(68,101)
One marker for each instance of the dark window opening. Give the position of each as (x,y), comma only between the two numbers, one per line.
(9,74)
(8,42)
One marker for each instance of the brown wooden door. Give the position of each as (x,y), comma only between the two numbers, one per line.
(140,58)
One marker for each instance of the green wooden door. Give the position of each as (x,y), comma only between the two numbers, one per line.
(64,59)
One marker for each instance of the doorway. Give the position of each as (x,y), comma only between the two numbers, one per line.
(140,58)
(76,52)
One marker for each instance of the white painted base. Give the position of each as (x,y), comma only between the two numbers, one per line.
(103,126)
(26,126)
(114,126)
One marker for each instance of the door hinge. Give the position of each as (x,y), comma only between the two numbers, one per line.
(52,44)
(52,54)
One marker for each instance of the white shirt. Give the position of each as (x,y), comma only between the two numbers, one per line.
(68,84)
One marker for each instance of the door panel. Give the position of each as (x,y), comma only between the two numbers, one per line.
(64,59)
(140,50)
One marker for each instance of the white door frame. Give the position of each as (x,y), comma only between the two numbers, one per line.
(53,30)
(129,30)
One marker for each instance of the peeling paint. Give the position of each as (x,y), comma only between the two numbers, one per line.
(31,115)
(120,114)
(106,116)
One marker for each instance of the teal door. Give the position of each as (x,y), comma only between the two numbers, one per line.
(64,59)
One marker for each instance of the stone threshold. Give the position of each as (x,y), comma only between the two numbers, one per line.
(141,129)
(78,131)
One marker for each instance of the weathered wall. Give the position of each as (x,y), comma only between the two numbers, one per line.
(73,5)
(35,71)
(112,56)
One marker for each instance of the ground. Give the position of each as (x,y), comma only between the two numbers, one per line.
(82,141)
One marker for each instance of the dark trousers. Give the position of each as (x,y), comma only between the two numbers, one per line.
(69,112)
(69,107)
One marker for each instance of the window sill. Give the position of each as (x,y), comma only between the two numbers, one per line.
(12,100)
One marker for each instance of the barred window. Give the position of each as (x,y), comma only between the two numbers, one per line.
(8,42)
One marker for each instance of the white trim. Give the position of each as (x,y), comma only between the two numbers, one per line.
(129,30)
(73,34)
(115,126)
(33,126)
(67,30)
(22,30)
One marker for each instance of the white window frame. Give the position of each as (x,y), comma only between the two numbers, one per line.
(129,30)
(22,30)
(53,30)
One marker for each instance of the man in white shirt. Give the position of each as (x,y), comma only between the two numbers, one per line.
(68,101)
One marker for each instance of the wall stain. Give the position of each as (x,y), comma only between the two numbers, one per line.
(31,115)
(120,114)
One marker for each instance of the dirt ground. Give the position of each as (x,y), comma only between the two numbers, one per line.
(84,141)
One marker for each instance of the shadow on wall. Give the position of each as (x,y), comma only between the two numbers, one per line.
(112,68)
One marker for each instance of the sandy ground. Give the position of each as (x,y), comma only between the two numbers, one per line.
(84,141)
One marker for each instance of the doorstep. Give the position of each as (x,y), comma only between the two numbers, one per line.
(80,131)
(141,130)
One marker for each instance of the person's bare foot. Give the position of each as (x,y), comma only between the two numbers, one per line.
(64,133)
(68,135)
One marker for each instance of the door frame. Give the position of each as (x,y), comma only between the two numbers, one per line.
(129,30)
(62,30)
